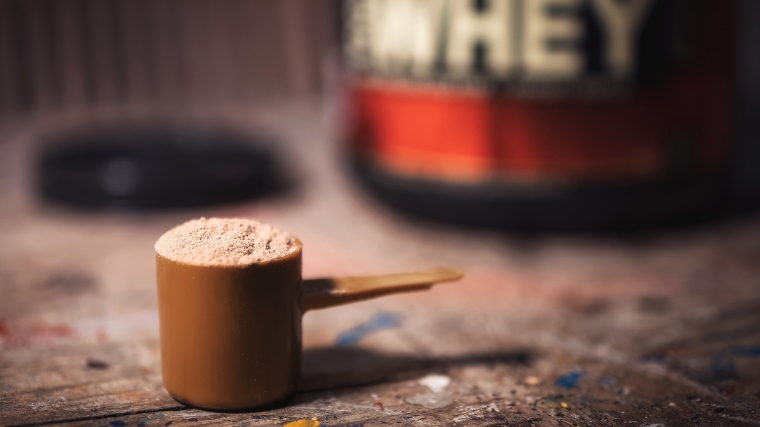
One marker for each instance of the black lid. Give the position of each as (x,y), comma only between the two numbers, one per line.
(155,167)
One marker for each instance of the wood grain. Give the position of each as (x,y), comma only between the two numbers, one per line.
(661,325)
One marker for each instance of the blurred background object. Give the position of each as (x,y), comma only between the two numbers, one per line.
(73,54)
(548,114)
(525,115)
(141,67)
(158,166)
(746,173)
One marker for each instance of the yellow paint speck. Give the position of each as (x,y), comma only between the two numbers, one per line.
(533,380)
(303,423)
(563,404)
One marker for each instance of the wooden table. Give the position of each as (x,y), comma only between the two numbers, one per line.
(656,328)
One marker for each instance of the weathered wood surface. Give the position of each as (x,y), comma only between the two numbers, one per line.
(663,327)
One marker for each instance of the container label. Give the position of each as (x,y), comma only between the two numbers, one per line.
(532,47)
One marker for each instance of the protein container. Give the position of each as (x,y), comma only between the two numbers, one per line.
(541,113)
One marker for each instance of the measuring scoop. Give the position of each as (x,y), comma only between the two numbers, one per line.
(231,335)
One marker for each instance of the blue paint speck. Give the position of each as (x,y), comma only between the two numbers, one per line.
(376,323)
(569,380)
(747,351)
(143,422)
(117,423)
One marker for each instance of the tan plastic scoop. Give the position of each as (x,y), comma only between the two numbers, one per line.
(230,322)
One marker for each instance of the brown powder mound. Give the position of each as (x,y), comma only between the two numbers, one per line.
(224,242)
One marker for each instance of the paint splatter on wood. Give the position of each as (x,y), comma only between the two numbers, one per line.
(303,423)
(569,380)
(436,383)
(376,323)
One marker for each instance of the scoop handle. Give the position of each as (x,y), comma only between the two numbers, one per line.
(329,292)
